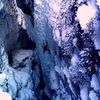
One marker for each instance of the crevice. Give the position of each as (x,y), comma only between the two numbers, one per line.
(41,85)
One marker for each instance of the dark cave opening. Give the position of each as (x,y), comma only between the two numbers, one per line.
(23,42)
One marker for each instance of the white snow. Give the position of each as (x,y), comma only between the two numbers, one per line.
(85,13)
(2,78)
(54,4)
(4,95)
(3,75)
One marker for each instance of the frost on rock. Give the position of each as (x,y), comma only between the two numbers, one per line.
(4,95)
(93,96)
(14,80)
(85,13)
(77,36)
(1,5)
(69,30)
(20,56)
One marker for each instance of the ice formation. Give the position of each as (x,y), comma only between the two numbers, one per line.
(69,69)
(85,13)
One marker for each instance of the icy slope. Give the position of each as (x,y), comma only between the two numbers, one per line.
(75,30)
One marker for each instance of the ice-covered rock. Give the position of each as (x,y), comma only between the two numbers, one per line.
(2,78)
(98,3)
(71,29)
(95,83)
(36,77)
(93,95)
(12,80)
(85,13)
(1,5)
(4,95)
(54,81)
(21,57)
(26,94)
(74,59)
(84,92)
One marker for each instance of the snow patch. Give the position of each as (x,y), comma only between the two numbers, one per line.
(3,75)
(4,95)
(55,5)
(85,13)
(2,78)
(38,2)
(20,18)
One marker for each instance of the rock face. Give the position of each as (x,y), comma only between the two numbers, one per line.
(49,49)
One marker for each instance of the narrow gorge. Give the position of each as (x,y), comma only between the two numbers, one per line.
(49,49)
